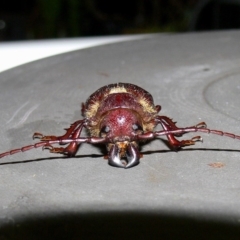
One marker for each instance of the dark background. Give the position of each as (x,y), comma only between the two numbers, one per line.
(40,19)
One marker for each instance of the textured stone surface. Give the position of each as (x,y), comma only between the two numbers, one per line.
(194,77)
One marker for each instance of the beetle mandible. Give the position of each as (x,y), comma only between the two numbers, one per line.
(120,116)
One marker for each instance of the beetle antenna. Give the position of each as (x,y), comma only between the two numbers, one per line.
(43,144)
(97,140)
(152,135)
(23,149)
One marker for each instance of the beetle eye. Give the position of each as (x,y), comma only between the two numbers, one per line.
(136,127)
(105,129)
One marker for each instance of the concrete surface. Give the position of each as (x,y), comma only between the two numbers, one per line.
(192,193)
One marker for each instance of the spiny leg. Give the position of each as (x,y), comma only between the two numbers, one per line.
(73,132)
(168,125)
(172,125)
(67,135)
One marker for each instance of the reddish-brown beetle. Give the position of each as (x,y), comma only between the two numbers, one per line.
(119,115)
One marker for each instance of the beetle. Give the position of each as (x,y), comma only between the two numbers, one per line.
(119,115)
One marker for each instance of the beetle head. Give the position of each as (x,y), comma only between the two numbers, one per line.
(120,126)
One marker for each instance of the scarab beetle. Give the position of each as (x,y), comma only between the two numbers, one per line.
(119,115)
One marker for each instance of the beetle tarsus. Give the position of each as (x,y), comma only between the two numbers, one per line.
(190,142)
(41,137)
(201,125)
(37,135)
(197,139)
(48,147)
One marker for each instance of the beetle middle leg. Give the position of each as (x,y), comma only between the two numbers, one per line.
(168,124)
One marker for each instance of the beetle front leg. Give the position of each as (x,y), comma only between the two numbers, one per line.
(67,135)
(168,125)
(73,132)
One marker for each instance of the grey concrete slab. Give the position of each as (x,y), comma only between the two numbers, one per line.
(194,192)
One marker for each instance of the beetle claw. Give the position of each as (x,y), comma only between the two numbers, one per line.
(201,125)
(37,135)
(114,158)
(132,156)
(47,146)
